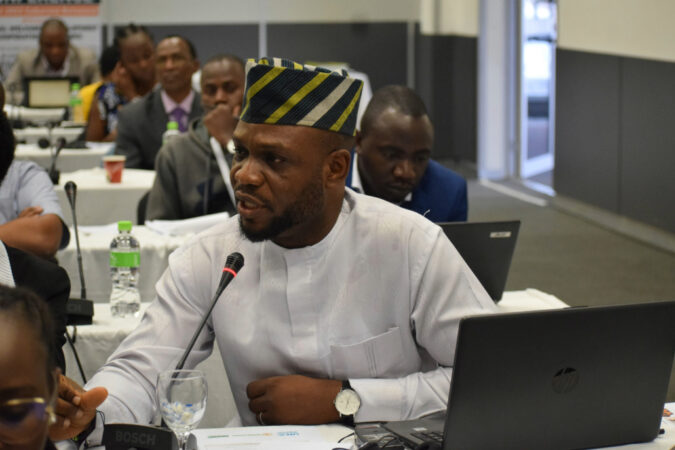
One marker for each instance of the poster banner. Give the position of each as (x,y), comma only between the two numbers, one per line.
(20,22)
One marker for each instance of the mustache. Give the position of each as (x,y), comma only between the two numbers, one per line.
(248,191)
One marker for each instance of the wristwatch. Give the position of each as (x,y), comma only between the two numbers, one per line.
(347,403)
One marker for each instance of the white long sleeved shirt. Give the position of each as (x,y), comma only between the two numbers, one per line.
(377,301)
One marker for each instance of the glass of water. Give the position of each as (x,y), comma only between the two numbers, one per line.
(181,395)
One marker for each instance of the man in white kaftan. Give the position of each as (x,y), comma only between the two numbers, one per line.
(377,302)
(337,287)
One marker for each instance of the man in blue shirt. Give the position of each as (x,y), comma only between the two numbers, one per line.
(30,213)
(392,158)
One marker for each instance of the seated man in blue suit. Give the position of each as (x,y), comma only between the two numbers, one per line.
(392,158)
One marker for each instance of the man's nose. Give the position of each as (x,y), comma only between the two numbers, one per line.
(247,172)
(169,63)
(404,169)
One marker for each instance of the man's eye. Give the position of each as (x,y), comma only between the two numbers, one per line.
(240,153)
(273,159)
(389,154)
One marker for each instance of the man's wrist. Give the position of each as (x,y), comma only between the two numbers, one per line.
(86,435)
(347,403)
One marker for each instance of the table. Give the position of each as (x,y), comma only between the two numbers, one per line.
(31,135)
(279,437)
(100,202)
(69,160)
(94,343)
(95,244)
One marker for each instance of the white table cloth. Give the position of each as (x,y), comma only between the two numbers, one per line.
(100,202)
(95,244)
(94,343)
(318,437)
(69,160)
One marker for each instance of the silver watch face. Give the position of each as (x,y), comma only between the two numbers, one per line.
(347,402)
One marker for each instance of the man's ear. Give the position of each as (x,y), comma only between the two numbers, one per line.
(358,137)
(337,166)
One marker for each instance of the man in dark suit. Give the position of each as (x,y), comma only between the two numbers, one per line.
(392,158)
(142,123)
(49,281)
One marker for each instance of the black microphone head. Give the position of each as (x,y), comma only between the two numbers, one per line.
(71,191)
(43,142)
(234,261)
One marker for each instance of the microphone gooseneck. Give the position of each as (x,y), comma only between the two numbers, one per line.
(71,193)
(233,263)
(53,173)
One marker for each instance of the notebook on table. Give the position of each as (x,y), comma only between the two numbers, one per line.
(556,379)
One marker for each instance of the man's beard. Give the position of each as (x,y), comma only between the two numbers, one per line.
(302,210)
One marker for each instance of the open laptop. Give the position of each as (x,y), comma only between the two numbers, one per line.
(556,379)
(46,92)
(487,248)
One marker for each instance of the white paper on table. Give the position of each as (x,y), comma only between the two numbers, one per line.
(185,226)
(105,146)
(265,438)
(88,230)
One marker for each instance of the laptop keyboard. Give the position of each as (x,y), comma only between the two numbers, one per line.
(429,436)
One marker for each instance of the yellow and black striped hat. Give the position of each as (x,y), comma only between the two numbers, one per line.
(283,92)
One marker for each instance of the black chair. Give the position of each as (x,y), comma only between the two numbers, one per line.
(142,208)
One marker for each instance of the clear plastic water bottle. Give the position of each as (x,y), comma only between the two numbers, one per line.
(125,259)
(171,131)
(75,111)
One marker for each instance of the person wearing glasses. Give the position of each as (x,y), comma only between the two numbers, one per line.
(28,372)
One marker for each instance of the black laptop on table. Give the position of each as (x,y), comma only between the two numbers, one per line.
(556,379)
(487,248)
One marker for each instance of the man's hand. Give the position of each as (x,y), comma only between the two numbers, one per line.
(294,399)
(31,211)
(75,408)
(221,121)
(123,83)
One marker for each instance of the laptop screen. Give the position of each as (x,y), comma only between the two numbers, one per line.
(48,92)
(487,248)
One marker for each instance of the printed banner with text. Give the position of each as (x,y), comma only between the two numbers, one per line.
(20,22)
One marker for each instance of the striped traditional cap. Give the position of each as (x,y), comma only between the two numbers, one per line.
(283,92)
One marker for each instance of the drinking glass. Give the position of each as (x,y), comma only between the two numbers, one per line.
(181,395)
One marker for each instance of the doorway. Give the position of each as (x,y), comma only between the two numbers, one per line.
(538,20)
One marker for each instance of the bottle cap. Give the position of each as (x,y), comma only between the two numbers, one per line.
(75,86)
(172,125)
(124,225)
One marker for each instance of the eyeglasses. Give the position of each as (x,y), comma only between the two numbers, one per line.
(23,418)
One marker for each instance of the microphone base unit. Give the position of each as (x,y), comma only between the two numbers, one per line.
(79,312)
(122,436)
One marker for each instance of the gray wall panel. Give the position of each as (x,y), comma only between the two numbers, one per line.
(587,128)
(378,49)
(647,188)
(241,40)
(446,81)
